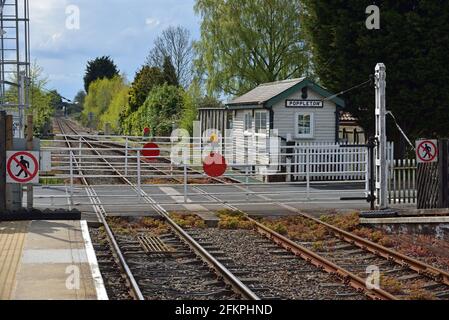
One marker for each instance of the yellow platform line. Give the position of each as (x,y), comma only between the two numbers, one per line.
(12,239)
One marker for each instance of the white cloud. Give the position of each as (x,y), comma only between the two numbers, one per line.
(152,22)
(125,30)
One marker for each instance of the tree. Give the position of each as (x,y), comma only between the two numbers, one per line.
(176,44)
(169,71)
(116,107)
(159,112)
(246,43)
(79,98)
(55,100)
(145,80)
(99,98)
(413,43)
(191,100)
(40,99)
(102,67)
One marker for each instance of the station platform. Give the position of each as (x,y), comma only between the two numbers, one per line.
(48,260)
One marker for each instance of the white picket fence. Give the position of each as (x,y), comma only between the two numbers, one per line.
(329,162)
(402,182)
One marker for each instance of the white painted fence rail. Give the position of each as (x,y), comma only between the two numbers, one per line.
(402,182)
(330,162)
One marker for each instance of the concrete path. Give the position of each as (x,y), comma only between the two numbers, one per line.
(48,260)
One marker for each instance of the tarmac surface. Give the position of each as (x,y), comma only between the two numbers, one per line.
(272,200)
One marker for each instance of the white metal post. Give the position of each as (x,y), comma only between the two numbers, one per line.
(288,161)
(367,171)
(80,145)
(381,135)
(71,177)
(21,105)
(247,182)
(185,182)
(139,185)
(126,156)
(308,171)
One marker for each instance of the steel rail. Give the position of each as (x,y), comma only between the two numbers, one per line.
(219,268)
(322,263)
(420,267)
(101,212)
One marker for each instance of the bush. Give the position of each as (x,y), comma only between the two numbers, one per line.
(159,112)
(98,101)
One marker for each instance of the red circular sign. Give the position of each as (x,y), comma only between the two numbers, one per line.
(427,151)
(31,175)
(151,150)
(146,131)
(215,165)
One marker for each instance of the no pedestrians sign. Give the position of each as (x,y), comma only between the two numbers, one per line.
(427,151)
(22,167)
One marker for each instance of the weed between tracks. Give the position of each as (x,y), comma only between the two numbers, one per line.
(233,220)
(426,248)
(126,226)
(187,220)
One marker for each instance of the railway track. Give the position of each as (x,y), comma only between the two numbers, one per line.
(350,251)
(227,279)
(355,282)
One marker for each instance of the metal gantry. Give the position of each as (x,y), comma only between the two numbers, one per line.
(14,59)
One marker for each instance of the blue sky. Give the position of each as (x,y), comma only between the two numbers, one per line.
(123,29)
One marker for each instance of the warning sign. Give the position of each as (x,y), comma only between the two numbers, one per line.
(426,151)
(22,167)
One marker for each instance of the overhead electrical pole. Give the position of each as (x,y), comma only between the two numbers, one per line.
(14,84)
(15,60)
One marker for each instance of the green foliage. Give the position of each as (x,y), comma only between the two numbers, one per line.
(145,80)
(41,109)
(42,103)
(79,98)
(101,94)
(413,43)
(55,100)
(191,100)
(100,68)
(159,112)
(116,107)
(246,43)
(169,71)
(78,103)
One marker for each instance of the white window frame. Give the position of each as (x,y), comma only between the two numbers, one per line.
(245,129)
(264,129)
(312,125)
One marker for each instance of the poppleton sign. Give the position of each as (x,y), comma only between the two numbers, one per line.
(22,167)
(427,151)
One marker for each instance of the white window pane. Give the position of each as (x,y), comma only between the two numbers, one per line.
(304,124)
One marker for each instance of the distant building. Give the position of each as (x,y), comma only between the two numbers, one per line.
(299,110)
(350,130)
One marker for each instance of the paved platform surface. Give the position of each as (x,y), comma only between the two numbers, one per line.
(48,260)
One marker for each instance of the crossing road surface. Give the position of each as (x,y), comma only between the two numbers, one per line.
(120,200)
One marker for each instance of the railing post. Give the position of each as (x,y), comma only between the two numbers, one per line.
(71,177)
(139,185)
(367,176)
(308,171)
(247,182)
(80,145)
(185,182)
(288,161)
(126,156)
